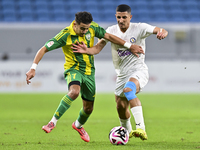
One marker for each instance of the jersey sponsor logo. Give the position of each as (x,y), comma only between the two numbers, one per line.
(88,36)
(123,53)
(50,43)
(132,40)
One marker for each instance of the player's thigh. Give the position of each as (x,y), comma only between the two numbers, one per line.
(73,77)
(88,88)
(141,77)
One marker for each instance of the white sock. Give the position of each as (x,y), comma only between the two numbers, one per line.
(54,120)
(126,123)
(138,116)
(77,124)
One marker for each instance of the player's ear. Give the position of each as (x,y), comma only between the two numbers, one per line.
(131,17)
(74,23)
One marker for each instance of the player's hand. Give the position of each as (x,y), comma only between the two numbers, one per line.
(162,33)
(29,75)
(79,48)
(135,49)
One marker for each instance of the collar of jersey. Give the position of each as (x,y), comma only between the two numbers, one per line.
(72,32)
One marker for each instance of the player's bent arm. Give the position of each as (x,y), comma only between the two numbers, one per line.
(114,39)
(135,49)
(82,48)
(161,33)
(31,73)
(99,46)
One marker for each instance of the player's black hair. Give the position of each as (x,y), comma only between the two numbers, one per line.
(83,17)
(123,8)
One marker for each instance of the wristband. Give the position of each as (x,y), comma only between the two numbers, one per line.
(34,66)
(127,45)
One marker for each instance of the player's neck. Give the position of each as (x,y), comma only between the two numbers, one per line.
(123,29)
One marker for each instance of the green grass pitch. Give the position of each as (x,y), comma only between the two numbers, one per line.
(172,122)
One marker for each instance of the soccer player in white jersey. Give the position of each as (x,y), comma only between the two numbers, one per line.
(132,72)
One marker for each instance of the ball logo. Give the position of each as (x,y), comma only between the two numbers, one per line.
(132,40)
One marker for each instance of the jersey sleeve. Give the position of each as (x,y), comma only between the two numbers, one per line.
(56,42)
(147,29)
(99,31)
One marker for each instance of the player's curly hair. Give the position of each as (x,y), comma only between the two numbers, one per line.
(83,17)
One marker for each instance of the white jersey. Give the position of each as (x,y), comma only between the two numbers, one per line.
(124,61)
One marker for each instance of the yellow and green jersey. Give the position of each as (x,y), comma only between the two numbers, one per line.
(67,36)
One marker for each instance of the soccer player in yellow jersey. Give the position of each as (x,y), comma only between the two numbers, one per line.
(79,68)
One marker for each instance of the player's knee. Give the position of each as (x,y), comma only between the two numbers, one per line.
(130,90)
(127,89)
(73,94)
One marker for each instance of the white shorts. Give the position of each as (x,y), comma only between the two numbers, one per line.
(141,75)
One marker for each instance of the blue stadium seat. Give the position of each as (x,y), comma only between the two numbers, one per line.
(41,4)
(109,16)
(27,18)
(193,15)
(74,11)
(59,15)
(24,3)
(9,16)
(70,17)
(140,5)
(144,13)
(77,5)
(106,5)
(8,5)
(160,15)
(157,4)
(97,18)
(45,17)
(58,4)
(42,10)
(26,15)
(177,15)
(43,14)
(173,4)
(91,5)
(60,18)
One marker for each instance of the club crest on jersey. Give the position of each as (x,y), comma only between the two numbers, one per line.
(88,36)
(132,40)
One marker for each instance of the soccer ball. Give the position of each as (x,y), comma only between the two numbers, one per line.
(119,136)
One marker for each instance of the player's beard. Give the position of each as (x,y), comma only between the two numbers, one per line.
(121,25)
(81,34)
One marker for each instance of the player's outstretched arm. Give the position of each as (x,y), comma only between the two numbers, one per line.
(135,49)
(31,73)
(82,48)
(161,33)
